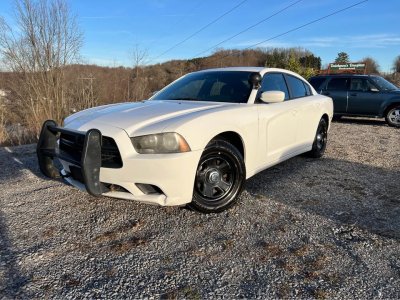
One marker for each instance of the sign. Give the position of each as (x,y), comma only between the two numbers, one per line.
(360,67)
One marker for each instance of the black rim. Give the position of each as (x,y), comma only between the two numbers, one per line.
(321,137)
(215,177)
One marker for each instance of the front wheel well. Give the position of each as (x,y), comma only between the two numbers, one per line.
(326,118)
(233,138)
(389,107)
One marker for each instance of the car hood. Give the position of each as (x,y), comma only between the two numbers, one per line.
(135,115)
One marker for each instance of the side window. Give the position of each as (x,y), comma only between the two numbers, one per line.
(337,84)
(297,87)
(274,82)
(358,84)
(371,85)
(308,89)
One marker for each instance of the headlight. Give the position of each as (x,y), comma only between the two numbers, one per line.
(169,142)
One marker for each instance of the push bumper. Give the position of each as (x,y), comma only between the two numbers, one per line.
(90,162)
(173,174)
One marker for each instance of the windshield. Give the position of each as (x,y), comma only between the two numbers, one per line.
(224,86)
(383,84)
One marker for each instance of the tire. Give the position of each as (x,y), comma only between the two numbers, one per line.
(220,177)
(320,140)
(393,116)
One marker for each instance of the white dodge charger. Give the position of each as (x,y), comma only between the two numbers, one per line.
(194,142)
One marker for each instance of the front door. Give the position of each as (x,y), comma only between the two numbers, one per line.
(277,121)
(363,101)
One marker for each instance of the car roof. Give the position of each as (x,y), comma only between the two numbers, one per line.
(260,70)
(345,75)
(243,69)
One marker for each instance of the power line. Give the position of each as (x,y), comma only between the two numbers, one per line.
(306,24)
(250,27)
(176,23)
(301,26)
(202,28)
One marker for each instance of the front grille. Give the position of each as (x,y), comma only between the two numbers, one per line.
(76,174)
(110,157)
(71,144)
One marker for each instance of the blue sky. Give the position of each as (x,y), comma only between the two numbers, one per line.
(113,28)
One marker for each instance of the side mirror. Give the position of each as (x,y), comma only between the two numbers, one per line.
(255,80)
(272,97)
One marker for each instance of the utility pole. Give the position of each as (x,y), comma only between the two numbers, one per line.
(87,90)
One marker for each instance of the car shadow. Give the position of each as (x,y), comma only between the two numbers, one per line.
(346,192)
(17,160)
(11,280)
(13,165)
(361,121)
(343,191)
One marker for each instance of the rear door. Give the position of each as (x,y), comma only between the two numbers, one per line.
(306,118)
(337,90)
(363,101)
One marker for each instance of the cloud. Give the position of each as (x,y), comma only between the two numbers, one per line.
(382,40)
(105,62)
(248,43)
(321,42)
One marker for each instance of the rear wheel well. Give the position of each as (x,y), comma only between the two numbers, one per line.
(233,138)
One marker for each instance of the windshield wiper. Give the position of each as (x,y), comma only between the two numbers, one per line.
(185,98)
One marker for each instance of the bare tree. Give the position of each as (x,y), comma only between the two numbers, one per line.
(137,84)
(396,64)
(371,65)
(46,40)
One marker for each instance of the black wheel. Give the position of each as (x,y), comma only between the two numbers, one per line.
(219,179)
(320,140)
(393,116)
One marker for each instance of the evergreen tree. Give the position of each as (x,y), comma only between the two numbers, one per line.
(342,58)
(293,63)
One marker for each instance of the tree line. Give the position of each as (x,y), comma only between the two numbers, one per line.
(43,78)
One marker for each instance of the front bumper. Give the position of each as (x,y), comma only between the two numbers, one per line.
(172,174)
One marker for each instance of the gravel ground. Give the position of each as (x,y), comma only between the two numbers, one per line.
(325,228)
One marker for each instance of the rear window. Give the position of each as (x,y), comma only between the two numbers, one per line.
(316,82)
(337,84)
